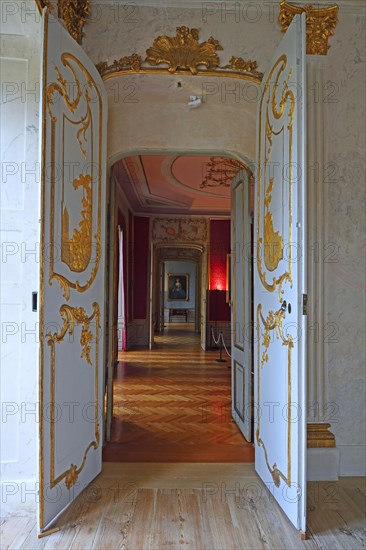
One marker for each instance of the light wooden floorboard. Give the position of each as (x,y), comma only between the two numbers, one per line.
(195,506)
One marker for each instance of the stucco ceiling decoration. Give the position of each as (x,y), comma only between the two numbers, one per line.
(320,24)
(73,13)
(182,54)
(221,171)
(171,184)
(183,230)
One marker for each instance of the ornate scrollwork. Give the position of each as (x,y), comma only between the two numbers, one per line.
(273,241)
(274,471)
(274,108)
(76,252)
(74,13)
(240,65)
(220,172)
(320,24)
(44,4)
(273,321)
(182,53)
(194,230)
(72,316)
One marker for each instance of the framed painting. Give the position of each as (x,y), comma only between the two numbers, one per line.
(178,286)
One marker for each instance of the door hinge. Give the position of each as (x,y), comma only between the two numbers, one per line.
(304,304)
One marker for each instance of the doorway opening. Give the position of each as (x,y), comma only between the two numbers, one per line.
(172,401)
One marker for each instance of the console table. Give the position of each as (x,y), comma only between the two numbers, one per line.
(181,312)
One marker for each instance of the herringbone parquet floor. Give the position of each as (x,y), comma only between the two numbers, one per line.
(173,404)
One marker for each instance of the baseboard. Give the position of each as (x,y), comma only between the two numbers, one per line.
(352,460)
(19,498)
(323,464)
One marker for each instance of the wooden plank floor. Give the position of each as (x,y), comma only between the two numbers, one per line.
(173,404)
(194,506)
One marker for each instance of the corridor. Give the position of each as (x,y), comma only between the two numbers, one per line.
(173,404)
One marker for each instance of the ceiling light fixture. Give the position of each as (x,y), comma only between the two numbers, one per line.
(194,101)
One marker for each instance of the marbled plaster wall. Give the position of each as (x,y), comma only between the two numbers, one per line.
(345,215)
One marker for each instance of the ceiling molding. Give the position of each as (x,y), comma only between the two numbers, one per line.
(167,171)
(182,54)
(345,6)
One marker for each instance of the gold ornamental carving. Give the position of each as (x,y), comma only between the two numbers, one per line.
(273,241)
(180,230)
(274,322)
(320,24)
(182,53)
(74,14)
(281,110)
(220,172)
(71,317)
(44,4)
(76,251)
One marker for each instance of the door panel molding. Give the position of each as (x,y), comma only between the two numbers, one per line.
(280,278)
(239,367)
(72,311)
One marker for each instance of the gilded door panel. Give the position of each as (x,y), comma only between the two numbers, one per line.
(241,344)
(72,272)
(279,278)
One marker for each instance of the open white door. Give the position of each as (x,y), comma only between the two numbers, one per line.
(72,272)
(279,278)
(241,340)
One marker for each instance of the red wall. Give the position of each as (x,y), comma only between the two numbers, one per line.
(219,248)
(140,266)
(219,310)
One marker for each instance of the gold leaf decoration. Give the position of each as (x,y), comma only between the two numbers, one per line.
(240,65)
(44,4)
(273,241)
(71,476)
(273,321)
(76,251)
(133,62)
(72,316)
(320,24)
(74,13)
(220,172)
(182,53)
(276,475)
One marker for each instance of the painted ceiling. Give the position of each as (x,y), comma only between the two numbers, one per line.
(167,184)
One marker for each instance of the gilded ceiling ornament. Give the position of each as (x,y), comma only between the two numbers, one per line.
(74,13)
(182,53)
(44,4)
(221,171)
(320,24)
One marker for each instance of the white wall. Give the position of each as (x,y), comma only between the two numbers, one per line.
(20,235)
(345,223)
